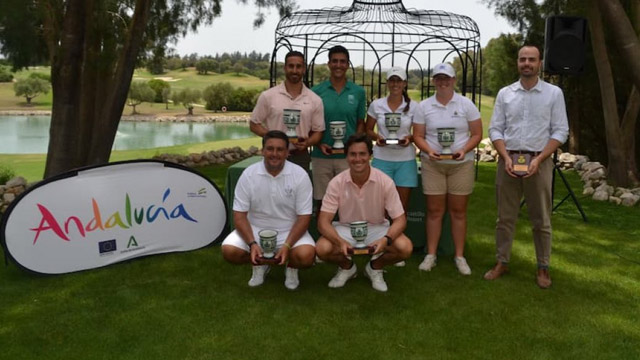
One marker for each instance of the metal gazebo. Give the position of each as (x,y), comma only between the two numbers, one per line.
(380,34)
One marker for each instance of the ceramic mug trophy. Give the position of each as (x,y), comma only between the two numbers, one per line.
(337,130)
(392,123)
(268,243)
(291,119)
(359,232)
(446,136)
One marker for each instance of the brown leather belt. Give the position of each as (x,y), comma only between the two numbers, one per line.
(532,153)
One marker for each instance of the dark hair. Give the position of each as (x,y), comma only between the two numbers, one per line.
(407,99)
(275,134)
(359,138)
(293,53)
(338,49)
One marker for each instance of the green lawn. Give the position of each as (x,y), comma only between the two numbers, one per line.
(195,306)
(190,79)
(31,166)
(178,80)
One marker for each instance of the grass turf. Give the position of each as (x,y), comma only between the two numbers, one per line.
(195,306)
(31,166)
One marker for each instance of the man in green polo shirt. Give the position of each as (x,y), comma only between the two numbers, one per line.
(345,101)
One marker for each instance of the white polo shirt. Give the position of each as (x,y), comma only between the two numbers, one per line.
(273,202)
(377,109)
(456,114)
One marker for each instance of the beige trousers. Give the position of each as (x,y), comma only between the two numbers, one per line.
(537,195)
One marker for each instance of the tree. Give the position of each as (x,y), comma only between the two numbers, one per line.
(158,86)
(243,99)
(589,103)
(156,62)
(166,96)
(187,97)
(620,131)
(237,67)
(31,87)
(93,48)
(5,75)
(203,66)
(139,92)
(499,58)
(173,63)
(224,66)
(217,95)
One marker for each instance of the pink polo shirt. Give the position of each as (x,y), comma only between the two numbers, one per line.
(366,203)
(271,103)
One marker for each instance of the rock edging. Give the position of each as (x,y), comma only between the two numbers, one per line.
(592,174)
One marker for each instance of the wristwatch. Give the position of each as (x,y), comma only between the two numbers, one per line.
(389,240)
(252,243)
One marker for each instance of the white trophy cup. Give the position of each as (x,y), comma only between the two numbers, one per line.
(268,243)
(359,232)
(392,123)
(291,119)
(337,130)
(446,137)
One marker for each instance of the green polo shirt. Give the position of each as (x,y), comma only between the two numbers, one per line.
(350,105)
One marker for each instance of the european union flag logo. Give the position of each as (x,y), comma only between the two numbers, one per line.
(107,246)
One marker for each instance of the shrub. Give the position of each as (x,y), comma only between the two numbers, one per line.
(42,76)
(6,174)
(243,99)
(158,85)
(217,95)
(139,92)
(5,75)
(31,87)
(187,97)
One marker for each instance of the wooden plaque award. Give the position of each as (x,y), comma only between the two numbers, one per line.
(520,162)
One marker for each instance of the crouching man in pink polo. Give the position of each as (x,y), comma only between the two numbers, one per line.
(362,193)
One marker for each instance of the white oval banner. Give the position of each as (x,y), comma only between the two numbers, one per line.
(102,215)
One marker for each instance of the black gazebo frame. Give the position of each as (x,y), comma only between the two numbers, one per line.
(387,33)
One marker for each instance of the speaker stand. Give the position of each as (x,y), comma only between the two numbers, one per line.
(556,169)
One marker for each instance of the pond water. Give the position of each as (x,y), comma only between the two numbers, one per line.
(30,134)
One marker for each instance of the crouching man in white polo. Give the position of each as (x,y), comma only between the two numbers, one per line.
(273,194)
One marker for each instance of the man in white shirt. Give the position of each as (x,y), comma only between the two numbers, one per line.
(530,120)
(273,194)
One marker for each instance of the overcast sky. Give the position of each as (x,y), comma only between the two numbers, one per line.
(233,30)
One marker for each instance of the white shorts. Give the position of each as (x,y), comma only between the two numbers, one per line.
(374,232)
(234,239)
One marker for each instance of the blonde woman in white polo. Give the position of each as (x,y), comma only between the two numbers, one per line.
(447,184)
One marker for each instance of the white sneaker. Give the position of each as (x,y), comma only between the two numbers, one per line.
(291,280)
(400,264)
(428,263)
(461,264)
(377,280)
(342,276)
(257,277)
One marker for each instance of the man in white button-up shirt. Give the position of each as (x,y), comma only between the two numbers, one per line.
(529,118)
(273,194)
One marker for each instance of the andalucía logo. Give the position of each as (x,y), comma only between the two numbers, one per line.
(131,217)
